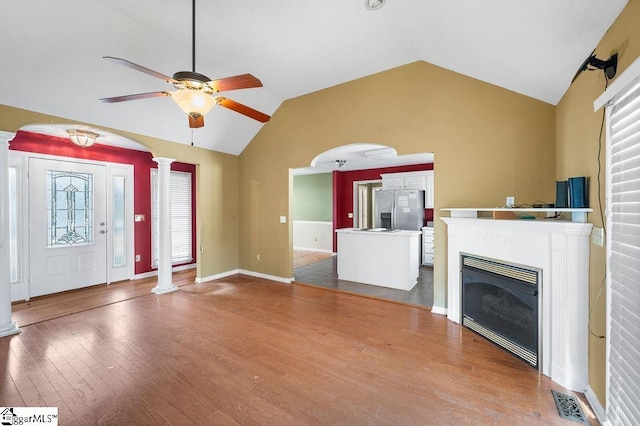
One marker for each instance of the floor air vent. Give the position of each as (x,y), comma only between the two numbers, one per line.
(569,407)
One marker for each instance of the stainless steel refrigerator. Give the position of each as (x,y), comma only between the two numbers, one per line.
(399,209)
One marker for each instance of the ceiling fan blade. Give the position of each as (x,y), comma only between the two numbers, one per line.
(244,81)
(242,109)
(140,68)
(134,97)
(196,122)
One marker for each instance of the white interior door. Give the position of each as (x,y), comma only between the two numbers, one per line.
(68,215)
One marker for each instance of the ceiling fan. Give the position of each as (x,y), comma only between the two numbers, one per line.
(195,93)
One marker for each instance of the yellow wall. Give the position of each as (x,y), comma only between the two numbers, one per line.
(488,143)
(577,138)
(216,182)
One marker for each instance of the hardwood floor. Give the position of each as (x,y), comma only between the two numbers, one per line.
(69,302)
(249,351)
(305,257)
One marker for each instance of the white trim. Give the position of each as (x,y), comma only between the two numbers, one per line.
(244,272)
(597,408)
(184,267)
(355,211)
(7,326)
(314,222)
(439,310)
(318,250)
(155,272)
(145,275)
(607,247)
(217,276)
(620,83)
(266,276)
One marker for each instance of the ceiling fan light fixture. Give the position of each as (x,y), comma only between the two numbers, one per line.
(194,101)
(374,4)
(83,138)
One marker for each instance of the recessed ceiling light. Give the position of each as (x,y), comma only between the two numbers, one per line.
(374,4)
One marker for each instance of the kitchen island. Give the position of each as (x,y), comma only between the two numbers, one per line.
(379,257)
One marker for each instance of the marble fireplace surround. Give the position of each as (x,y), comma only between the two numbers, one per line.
(561,250)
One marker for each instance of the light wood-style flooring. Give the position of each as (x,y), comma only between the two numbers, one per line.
(307,257)
(69,302)
(249,351)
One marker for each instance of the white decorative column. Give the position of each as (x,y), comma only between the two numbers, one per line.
(7,326)
(165,283)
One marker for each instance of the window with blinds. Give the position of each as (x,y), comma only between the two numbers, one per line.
(181,218)
(623,228)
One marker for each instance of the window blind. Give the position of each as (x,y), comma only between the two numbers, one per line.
(181,217)
(623,399)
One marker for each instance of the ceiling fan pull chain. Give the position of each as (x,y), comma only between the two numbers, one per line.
(193,36)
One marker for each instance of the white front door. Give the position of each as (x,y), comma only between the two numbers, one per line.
(68,215)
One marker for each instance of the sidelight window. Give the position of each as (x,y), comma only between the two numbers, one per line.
(119,221)
(14,225)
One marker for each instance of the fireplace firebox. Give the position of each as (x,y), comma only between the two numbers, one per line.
(500,302)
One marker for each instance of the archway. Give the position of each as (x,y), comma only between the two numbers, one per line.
(352,176)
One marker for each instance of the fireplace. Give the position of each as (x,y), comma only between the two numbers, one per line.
(500,302)
(559,251)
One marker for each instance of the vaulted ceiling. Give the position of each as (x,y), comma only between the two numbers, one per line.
(52,52)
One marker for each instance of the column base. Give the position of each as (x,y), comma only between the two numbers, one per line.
(164,290)
(9,329)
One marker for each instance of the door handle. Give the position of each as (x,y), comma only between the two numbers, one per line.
(101,223)
(102,231)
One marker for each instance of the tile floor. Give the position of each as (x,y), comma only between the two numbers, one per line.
(324,274)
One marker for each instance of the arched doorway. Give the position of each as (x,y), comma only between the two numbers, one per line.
(352,177)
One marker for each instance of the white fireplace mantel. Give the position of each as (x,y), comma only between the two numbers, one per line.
(561,250)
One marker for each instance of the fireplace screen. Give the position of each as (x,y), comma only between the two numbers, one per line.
(500,302)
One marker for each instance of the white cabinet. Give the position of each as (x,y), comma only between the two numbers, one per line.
(386,259)
(421,180)
(407,180)
(392,181)
(418,181)
(428,193)
(427,245)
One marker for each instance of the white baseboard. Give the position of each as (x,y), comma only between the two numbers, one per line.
(438,310)
(597,408)
(145,275)
(319,250)
(9,329)
(155,272)
(244,272)
(266,276)
(217,276)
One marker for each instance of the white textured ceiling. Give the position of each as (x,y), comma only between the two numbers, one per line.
(51,52)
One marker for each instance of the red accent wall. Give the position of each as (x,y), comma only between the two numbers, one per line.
(343,192)
(142,164)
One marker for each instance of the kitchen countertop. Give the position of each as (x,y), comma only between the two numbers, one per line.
(379,231)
